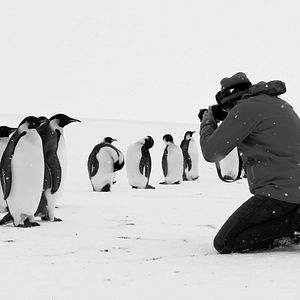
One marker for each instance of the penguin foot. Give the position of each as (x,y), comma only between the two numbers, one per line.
(46,218)
(148,186)
(27,223)
(176,182)
(195,178)
(163,182)
(106,188)
(134,187)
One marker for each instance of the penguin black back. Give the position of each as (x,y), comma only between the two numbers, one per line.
(146,163)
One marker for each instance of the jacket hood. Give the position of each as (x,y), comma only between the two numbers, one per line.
(272,88)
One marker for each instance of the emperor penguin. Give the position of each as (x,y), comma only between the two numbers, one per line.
(190,157)
(54,149)
(103,163)
(5,132)
(172,161)
(22,172)
(138,163)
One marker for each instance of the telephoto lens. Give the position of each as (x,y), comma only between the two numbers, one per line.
(219,113)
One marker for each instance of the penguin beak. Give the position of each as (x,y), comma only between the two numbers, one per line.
(71,120)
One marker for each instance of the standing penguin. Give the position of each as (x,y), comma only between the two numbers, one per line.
(103,162)
(52,134)
(172,161)
(5,132)
(22,172)
(138,163)
(190,157)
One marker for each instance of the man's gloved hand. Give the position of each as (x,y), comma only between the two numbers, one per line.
(208,117)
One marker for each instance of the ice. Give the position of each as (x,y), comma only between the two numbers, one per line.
(139,244)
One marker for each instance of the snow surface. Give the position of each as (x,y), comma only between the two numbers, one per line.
(138,244)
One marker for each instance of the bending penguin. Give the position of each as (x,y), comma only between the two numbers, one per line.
(103,163)
(172,161)
(5,132)
(190,157)
(138,163)
(54,149)
(22,173)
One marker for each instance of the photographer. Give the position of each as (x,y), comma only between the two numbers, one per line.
(266,130)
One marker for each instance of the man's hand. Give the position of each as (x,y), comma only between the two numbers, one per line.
(208,117)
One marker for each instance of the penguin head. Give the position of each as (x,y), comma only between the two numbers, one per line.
(63,120)
(5,131)
(167,138)
(188,135)
(108,140)
(149,142)
(43,121)
(30,122)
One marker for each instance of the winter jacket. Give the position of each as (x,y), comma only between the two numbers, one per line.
(266,130)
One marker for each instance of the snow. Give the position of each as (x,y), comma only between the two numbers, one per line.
(138,244)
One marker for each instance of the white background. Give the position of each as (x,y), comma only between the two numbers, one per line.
(142,60)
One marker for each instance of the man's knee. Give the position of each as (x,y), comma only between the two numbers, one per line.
(220,245)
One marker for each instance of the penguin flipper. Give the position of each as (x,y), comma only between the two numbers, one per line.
(164,162)
(187,159)
(142,165)
(5,165)
(119,165)
(93,165)
(145,163)
(55,171)
(189,163)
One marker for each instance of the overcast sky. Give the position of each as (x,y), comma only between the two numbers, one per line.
(144,60)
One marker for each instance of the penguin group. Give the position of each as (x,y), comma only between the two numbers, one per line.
(33,166)
(32,169)
(179,163)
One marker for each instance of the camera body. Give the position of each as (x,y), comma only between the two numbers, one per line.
(218,113)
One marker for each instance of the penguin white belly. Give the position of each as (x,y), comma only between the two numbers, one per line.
(133,158)
(175,165)
(194,155)
(230,164)
(105,174)
(27,168)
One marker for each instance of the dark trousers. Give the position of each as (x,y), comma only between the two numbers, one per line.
(256,224)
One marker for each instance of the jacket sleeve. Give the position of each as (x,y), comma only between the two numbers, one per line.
(217,142)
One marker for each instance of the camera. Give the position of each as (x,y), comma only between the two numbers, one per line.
(218,112)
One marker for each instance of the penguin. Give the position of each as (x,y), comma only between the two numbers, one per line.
(172,161)
(138,163)
(52,135)
(103,162)
(230,168)
(190,157)
(5,132)
(22,173)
